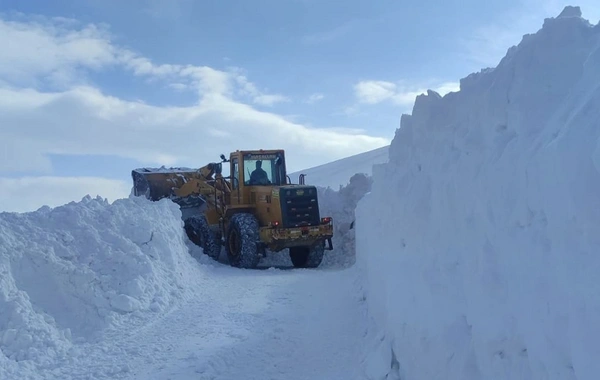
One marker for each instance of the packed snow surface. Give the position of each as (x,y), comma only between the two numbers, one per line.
(480,237)
(117,291)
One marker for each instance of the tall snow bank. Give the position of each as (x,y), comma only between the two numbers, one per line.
(69,273)
(480,238)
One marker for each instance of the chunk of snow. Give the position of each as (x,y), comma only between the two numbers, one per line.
(479,239)
(125,303)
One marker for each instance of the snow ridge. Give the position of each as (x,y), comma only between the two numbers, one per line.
(479,238)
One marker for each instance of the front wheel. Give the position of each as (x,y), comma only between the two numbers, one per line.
(199,232)
(308,257)
(242,241)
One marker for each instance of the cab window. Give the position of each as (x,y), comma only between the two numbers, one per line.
(263,169)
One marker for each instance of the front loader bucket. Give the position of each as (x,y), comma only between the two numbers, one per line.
(156,184)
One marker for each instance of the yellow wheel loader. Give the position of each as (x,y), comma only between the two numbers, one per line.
(255,209)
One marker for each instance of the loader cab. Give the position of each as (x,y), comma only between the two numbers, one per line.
(268,167)
(270,163)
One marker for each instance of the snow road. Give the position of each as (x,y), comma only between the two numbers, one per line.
(260,324)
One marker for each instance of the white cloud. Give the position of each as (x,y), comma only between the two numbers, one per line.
(315,98)
(33,50)
(269,100)
(85,121)
(30,193)
(248,88)
(376,91)
(63,51)
(78,118)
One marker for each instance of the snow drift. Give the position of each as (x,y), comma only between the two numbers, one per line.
(69,274)
(480,237)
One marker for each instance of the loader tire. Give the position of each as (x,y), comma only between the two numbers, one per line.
(308,257)
(199,232)
(241,243)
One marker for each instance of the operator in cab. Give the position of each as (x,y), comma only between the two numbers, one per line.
(259,175)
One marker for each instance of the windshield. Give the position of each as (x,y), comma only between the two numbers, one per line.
(264,169)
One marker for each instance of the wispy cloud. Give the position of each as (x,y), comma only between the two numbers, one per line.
(248,88)
(314,98)
(43,48)
(329,35)
(67,50)
(374,91)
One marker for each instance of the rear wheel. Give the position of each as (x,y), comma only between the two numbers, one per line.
(308,257)
(199,232)
(242,241)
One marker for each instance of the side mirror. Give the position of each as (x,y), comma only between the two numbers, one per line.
(223,157)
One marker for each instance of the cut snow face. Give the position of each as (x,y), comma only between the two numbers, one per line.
(70,273)
(480,237)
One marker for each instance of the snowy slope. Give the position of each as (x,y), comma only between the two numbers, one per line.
(480,237)
(338,173)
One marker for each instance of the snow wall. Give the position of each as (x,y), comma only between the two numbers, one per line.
(480,239)
(70,274)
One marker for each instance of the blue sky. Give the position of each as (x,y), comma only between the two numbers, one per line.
(90,89)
